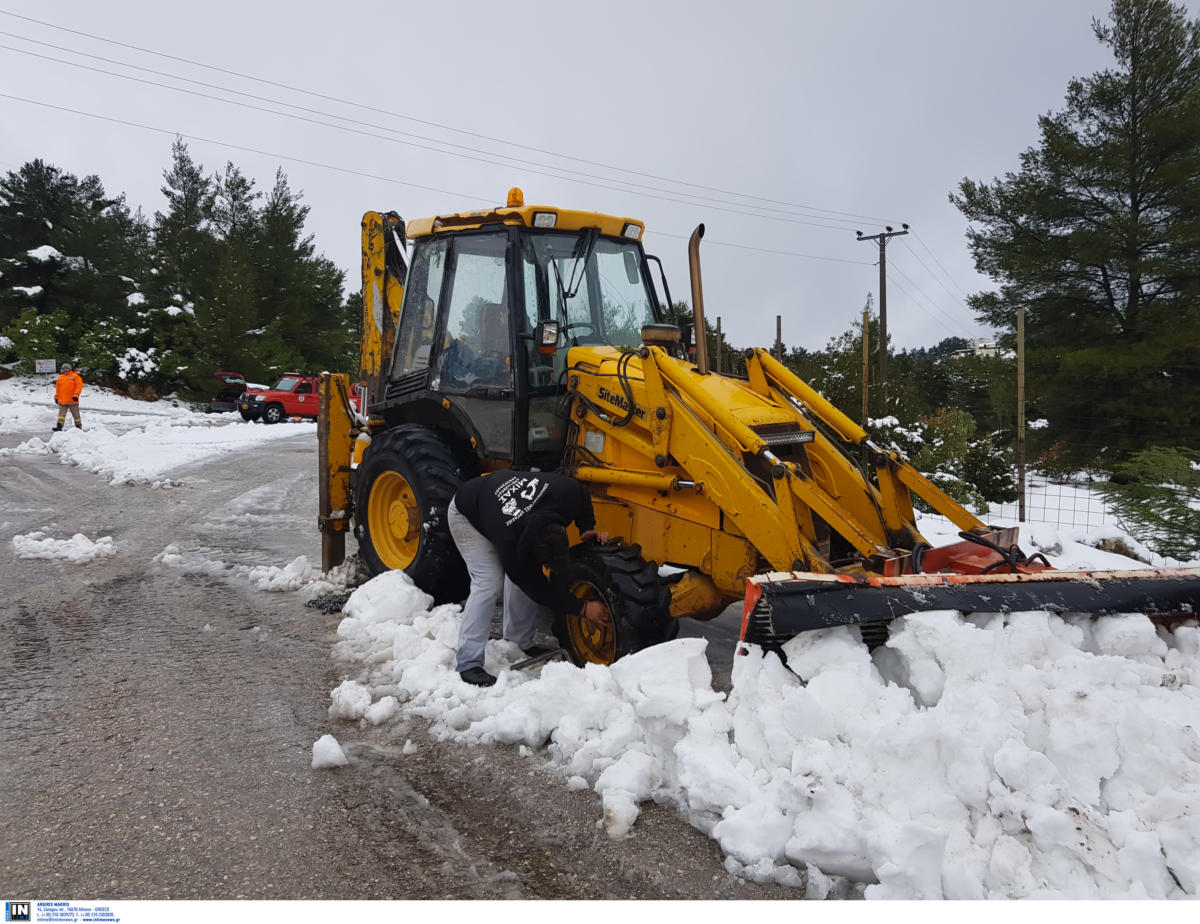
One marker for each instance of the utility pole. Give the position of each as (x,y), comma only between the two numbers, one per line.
(779,337)
(882,237)
(718,346)
(1021,415)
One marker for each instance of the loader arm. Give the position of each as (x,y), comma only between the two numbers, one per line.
(384,271)
(686,431)
(894,476)
(678,427)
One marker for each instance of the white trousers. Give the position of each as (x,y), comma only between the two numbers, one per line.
(487,581)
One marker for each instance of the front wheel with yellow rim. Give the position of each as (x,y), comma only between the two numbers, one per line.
(630,587)
(402,488)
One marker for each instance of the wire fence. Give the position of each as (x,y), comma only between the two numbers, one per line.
(1064,502)
(1075,503)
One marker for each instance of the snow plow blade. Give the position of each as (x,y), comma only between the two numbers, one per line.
(781,605)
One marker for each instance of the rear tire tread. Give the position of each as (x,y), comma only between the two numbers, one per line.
(438,568)
(637,597)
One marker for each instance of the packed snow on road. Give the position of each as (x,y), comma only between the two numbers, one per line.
(1023,755)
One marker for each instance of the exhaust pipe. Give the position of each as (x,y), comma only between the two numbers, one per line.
(698,300)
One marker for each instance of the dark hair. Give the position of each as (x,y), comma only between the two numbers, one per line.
(552,549)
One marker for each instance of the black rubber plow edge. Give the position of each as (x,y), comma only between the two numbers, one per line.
(781,605)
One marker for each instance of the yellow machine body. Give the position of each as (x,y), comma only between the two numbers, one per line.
(683,465)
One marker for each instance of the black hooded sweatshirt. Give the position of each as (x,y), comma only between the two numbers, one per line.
(510,509)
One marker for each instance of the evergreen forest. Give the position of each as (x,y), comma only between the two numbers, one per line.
(223,278)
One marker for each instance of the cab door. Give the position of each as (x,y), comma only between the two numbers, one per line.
(473,356)
(303,401)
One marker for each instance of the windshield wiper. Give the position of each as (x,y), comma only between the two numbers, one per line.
(580,254)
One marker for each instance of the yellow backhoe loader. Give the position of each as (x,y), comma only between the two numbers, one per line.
(533,336)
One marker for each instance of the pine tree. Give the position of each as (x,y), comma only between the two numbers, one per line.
(68,252)
(1098,237)
(1156,496)
(300,288)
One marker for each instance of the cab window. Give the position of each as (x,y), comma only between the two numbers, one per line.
(414,338)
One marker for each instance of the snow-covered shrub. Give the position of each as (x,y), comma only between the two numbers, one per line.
(37,336)
(973,469)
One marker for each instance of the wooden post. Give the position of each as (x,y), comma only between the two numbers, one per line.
(866,365)
(718,346)
(779,337)
(1021,415)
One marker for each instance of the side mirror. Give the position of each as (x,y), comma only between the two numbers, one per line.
(546,335)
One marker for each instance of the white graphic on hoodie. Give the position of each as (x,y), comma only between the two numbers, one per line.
(517,497)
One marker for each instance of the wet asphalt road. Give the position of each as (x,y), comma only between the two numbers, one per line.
(156,724)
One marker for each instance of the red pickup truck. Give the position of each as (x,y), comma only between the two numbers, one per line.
(294,395)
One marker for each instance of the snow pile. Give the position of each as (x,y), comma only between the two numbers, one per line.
(44,254)
(79,548)
(18,417)
(996,756)
(1004,756)
(173,557)
(326,752)
(296,575)
(300,574)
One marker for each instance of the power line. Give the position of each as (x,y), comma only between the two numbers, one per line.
(934,275)
(283,86)
(921,241)
(480,201)
(426,147)
(767,250)
(916,291)
(333,115)
(239,147)
(912,297)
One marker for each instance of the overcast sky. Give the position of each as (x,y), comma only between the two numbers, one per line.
(783,127)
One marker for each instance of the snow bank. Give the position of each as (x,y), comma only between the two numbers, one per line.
(37,392)
(124,440)
(147,449)
(999,756)
(297,575)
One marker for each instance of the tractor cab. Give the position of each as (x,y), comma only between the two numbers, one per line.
(492,303)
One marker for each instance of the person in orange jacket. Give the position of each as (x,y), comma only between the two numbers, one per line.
(66,393)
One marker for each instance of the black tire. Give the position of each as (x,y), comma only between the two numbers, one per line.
(248,416)
(412,473)
(273,414)
(637,597)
